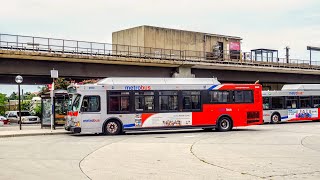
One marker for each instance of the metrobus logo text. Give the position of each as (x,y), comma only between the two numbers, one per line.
(137,87)
(295,93)
(91,120)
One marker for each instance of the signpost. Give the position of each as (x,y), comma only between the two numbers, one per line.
(54,74)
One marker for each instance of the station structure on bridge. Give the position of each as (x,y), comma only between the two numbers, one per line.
(148,51)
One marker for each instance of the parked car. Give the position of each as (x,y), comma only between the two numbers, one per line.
(26,117)
(4,120)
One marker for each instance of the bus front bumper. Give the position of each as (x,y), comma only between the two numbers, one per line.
(75,129)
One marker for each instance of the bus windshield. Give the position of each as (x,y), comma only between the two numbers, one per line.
(76,103)
(70,100)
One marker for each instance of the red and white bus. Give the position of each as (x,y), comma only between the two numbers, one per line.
(114,105)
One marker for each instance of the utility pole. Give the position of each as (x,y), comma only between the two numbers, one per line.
(287,54)
(22,96)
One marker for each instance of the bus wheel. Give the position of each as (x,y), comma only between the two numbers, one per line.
(275,118)
(224,124)
(112,127)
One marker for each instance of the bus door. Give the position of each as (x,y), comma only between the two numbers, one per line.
(90,112)
(245,106)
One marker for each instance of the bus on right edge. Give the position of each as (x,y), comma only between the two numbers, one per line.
(294,102)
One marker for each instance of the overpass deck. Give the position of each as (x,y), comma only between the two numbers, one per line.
(50,49)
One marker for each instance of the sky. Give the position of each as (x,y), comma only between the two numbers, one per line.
(272,24)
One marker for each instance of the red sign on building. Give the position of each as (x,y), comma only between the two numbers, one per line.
(234,46)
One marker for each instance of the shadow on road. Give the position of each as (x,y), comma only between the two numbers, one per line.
(180,131)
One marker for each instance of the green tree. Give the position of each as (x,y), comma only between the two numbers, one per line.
(37,110)
(3,99)
(3,102)
(59,83)
(43,89)
(28,96)
(25,105)
(90,81)
(13,96)
(62,83)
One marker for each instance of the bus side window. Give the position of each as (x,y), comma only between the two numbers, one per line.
(219,97)
(168,100)
(266,103)
(191,100)
(277,102)
(119,101)
(305,102)
(90,104)
(144,101)
(244,96)
(316,101)
(291,102)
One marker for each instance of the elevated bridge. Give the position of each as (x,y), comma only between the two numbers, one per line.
(34,57)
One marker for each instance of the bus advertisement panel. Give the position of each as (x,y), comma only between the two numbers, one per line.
(297,114)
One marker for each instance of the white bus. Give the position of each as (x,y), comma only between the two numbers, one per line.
(114,105)
(294,102)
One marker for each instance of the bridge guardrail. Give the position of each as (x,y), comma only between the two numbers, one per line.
(86,48)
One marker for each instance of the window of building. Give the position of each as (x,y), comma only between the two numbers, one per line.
(119,101)
(144,101)
(243,96)
(191,100)
(168,100)
(90,104)
(305,102)
(219,96)
(291,102)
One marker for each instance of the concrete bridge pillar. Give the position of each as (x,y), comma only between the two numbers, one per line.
(183,72)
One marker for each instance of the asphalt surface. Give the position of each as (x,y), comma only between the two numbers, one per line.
(284,151)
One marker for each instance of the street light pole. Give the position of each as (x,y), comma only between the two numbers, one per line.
(19,107)
(19,80)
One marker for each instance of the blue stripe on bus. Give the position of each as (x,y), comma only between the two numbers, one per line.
(284,117)
(128,125)
(212,87)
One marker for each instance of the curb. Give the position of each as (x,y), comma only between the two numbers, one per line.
(34,134)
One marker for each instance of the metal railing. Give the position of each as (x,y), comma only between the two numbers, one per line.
(86,48)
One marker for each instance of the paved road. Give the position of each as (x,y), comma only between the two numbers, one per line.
(285,151)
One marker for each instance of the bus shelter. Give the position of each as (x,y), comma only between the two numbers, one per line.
(60,108)
(264,55)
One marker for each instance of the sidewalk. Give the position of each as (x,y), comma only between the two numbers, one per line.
(28,130)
